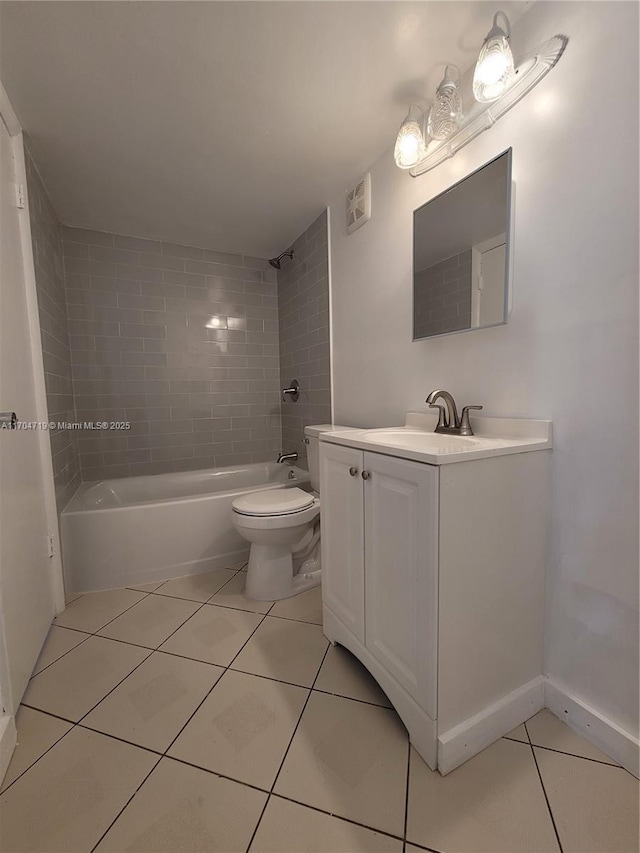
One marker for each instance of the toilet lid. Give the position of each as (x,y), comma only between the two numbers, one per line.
(273,502)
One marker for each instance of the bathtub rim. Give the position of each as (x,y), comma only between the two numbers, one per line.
(299,481)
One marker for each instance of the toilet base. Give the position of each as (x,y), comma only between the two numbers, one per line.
(270,574)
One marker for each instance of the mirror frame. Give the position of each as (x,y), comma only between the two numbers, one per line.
(509,229)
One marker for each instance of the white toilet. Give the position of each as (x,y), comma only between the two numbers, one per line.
(283,527)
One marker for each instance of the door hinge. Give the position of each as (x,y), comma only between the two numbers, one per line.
(51,545)
(21,198)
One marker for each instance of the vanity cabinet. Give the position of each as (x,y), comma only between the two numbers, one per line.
(433,576)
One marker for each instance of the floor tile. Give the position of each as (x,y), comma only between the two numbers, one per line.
(151,706)
(519,733)
(343,674)
(184,809)
(213,635)
(146,587)
(243,728)
(66,801)
(232,595)
(305,607)
(197,587)
(151,621)
(349,759)
(545,729)
(595,806)
(289,828)
(95,609)
(36,733)
(288,651)
(74,684)
(59,641)
(72,596)
(492,804)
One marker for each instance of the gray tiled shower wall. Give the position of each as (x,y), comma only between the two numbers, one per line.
(182,343)
(303,314)
(46,237)
(442,301)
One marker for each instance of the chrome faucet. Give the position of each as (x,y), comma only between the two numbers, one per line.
(448,420)
(287,457)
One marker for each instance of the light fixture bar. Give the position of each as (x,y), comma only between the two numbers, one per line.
(483,116)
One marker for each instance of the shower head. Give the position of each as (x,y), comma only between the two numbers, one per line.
(277,262)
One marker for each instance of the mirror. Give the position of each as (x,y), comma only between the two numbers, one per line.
(461,254)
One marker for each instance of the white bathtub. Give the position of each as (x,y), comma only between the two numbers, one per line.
(141,529)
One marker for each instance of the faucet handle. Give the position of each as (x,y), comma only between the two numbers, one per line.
(465,426)
(442,417)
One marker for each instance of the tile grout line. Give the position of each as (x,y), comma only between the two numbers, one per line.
(126,804)
(164,754)
(218,680)
(342,818)
(75,723)
(406,798)
(88,633)
(64,654)
(228,606)
(270,793)
(4,791)
(582,757)
(152,650)
(109,621)
(544,790)
(286,752)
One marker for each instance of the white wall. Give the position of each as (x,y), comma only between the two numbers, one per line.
(570,350)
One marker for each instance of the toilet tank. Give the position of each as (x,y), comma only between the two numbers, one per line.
(312,434)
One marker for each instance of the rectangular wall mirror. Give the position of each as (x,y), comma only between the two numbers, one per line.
(461,254)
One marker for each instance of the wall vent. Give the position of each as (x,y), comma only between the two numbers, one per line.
(359,204)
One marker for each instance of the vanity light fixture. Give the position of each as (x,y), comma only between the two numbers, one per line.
(411,146)
(498,86)
(445,115)
(494,70)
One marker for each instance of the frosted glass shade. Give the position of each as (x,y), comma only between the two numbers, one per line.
(494,70)
(445,115)
(410,146)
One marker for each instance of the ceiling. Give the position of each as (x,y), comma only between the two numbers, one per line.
(227,125)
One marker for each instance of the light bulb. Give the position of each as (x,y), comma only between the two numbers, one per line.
(410,146)
(445,115)
(494,70)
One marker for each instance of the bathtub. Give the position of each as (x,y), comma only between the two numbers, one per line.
(142,529)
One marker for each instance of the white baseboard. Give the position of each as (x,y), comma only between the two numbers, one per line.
(465,740)
(8,741)
(602,732)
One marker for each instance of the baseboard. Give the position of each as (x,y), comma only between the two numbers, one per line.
(618,744)
(8,741)
(468,738)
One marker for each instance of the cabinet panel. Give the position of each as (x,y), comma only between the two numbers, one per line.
(401,554)
(342,525)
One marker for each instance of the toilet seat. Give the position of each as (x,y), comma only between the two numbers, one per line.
(273,502)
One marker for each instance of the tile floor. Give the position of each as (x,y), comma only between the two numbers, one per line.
(182,717)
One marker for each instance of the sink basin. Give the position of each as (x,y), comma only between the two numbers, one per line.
(417,439)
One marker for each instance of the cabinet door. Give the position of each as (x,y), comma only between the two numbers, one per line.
(342,531)
(401,570)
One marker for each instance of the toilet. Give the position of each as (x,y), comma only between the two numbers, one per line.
(283,527)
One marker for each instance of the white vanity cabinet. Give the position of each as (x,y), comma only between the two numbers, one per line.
(380,560)
(433,576)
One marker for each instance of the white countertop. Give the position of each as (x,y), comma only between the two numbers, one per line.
(417,440)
